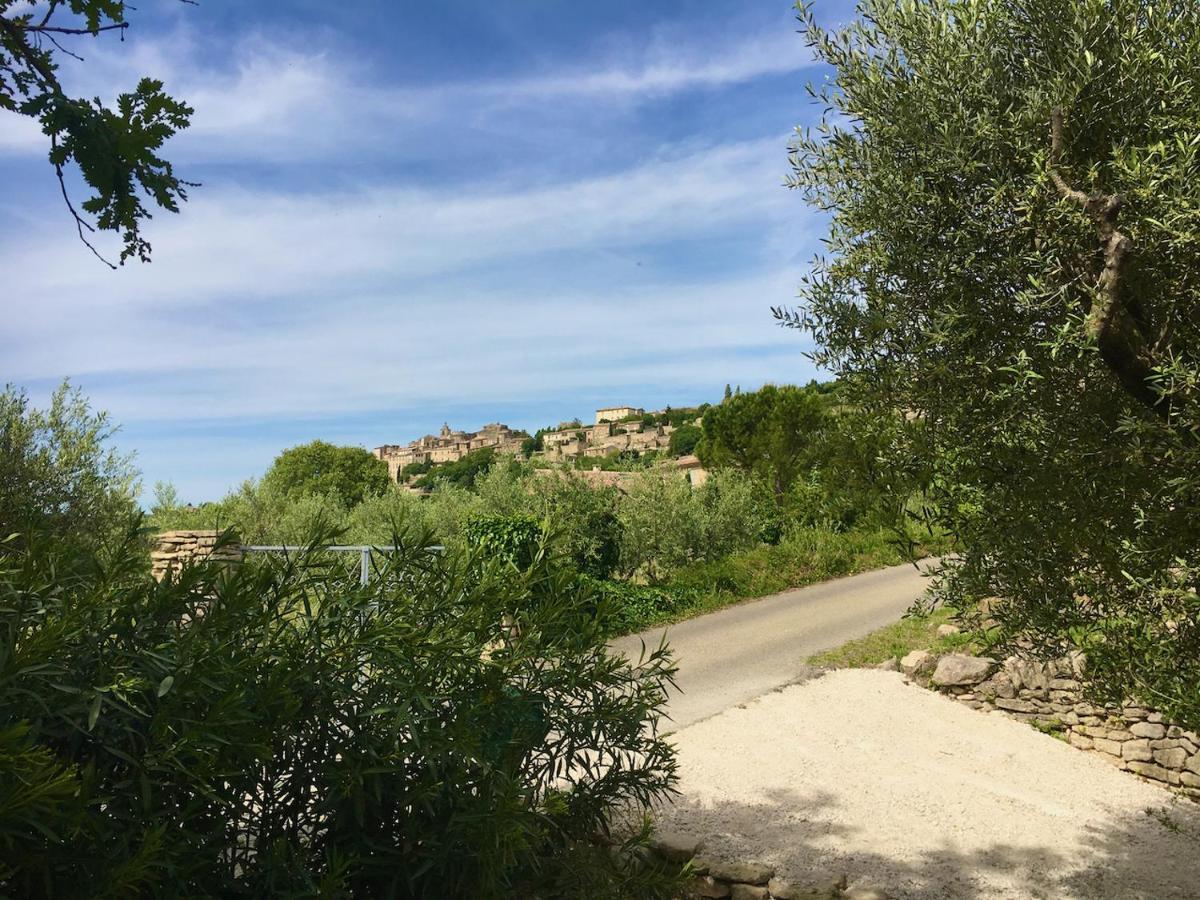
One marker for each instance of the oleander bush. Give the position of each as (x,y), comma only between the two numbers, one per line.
(276,729)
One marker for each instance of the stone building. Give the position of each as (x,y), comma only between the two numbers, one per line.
(449,446)
(616,413)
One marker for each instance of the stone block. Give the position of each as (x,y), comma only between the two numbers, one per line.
(956,669)
(822,889)
(744,872)
(1113,748)
(1148,730)
(1063,684)
(1171,759)
(1137,750)
(1193,763)
(1157,773)
(675,847)
(918,662)
(1080,741)
(1025,706)
(865,892)
(1189,779)
(707,886)
(1026,673)
(1167,744)
(748,892)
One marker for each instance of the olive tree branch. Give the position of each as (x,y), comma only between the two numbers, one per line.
(1122,342)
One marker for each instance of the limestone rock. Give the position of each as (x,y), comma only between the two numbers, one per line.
(918,662)
(745,872)
(707,886)
(826,889)
(959,669)
(1078,740)
(947,630)
(889,665)
(1026,673)
(1148,730)
(1171,759)
(1025,706)
(1158,773)
(675,847)
(748,892)
(1001,685)
(1113,748)
(865,892)
(1193,764)
(1138,751)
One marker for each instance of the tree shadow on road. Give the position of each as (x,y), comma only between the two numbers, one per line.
(1151,856)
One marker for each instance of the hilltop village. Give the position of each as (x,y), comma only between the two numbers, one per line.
(618,431)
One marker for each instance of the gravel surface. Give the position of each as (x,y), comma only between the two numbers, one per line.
(859,772)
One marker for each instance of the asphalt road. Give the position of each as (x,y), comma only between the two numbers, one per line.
(736,654)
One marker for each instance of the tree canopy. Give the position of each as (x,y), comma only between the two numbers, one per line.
(1014,264)
(348,474)
(116,148)
(769,432)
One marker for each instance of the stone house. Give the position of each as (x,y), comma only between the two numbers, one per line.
(616,413)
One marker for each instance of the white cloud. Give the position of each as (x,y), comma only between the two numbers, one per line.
(278,103)
(270,304)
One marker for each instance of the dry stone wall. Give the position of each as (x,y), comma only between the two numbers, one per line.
(750,880)
(173,548)
(1049,695)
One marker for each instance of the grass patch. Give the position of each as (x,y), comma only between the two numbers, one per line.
(893,642)
(804,556)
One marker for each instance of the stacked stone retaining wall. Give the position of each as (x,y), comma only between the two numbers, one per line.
(1049,695)
(751,880)
(174,548)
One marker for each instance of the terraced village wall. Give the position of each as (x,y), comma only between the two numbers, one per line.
(1049,695)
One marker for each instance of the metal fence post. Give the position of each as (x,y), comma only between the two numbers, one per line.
(364,573)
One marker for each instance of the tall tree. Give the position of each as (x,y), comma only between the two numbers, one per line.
(1015,263)
(348,474)
(769,432)
(116,148)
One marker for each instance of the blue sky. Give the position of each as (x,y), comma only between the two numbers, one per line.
(423,212)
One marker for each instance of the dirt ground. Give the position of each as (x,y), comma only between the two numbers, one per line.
(858,772)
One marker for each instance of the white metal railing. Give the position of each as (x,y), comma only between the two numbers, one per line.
(363,550)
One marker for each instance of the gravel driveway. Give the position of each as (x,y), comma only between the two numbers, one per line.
(858,772)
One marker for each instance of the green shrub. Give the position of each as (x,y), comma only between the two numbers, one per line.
(57,471)
(513,539)
(667,524)
(629,607)
(276,729)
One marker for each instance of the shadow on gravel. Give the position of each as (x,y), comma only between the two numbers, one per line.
(1149,857)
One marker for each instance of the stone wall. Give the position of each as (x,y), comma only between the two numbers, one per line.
(749,880)
(173,548)
(1049,696)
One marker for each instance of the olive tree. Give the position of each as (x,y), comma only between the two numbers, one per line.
(1014,263)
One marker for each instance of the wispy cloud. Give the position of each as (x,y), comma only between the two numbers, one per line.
(398,292)
(302,284)
(284,102)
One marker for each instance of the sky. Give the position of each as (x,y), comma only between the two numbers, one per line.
(413,213)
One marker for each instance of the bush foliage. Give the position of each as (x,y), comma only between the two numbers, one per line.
(277,729)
